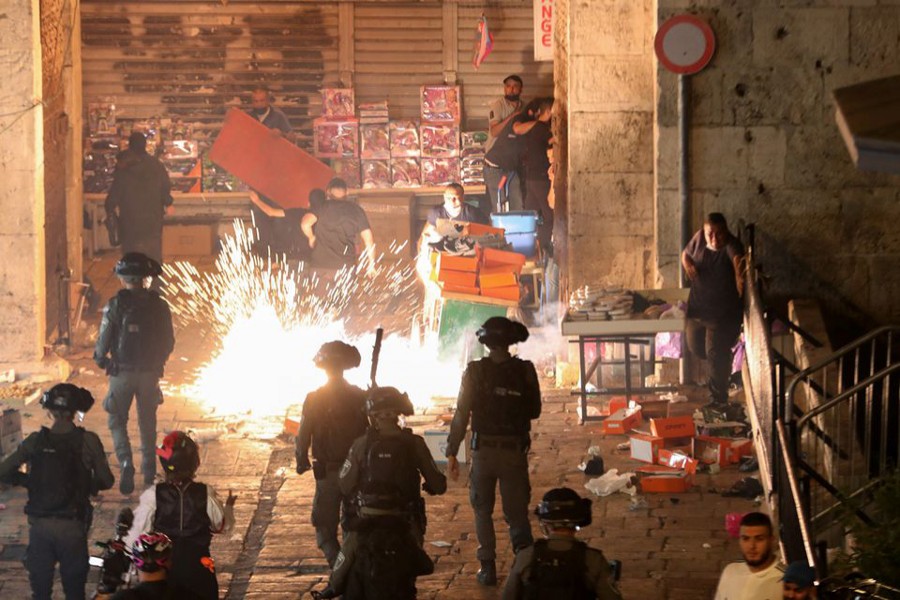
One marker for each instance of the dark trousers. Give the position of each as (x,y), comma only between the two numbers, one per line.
(123,388)
(509,468)
(536,192)
(51,541)
(712,340)
(326,514)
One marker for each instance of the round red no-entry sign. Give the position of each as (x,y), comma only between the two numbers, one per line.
(684,44)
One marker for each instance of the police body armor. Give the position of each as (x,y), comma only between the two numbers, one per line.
(500,407)
(181,512)
(58,481)
(341,421)
(558,574)
(391,478)
(139,343)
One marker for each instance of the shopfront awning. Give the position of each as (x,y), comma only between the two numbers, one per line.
(868,116)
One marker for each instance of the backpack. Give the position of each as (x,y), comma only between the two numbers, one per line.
(390,479)
(140,341)
(58,481)
(501,407)
(558,575)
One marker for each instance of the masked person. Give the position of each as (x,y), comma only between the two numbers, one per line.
(67,465)
(151,555)
(560,566)
(188,512)
(333,417)
(758,576)
(383,555)
(713,261)
(133,345)
(502,396)
(139,197)
(501,113)
(262,110)
(454,208)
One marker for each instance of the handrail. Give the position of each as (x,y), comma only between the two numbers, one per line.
(880,375)
(794,485)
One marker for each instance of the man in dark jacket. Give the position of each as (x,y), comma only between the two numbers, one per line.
(67,465)
(138,199)
(133,345)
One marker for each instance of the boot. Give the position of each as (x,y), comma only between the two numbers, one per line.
(126,479)
(487,575)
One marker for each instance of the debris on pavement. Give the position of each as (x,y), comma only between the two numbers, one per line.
(440,544)
(612,482)
(748,487)
(637,503)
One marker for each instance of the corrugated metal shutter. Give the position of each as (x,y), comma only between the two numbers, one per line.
(195,59)
(513,53)
(397,48)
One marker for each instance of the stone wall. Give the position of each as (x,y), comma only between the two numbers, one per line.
(22,289)
(609,92)
(765,147)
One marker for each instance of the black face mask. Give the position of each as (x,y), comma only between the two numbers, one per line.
(513,97)
(259,111)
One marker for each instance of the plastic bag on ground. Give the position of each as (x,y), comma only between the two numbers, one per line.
(610,483)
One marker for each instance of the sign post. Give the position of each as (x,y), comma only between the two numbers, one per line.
(543,30)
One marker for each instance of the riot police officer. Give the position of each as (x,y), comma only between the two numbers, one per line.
(67,465)
(502,395)
(134,343)
(560,566)
(333,416)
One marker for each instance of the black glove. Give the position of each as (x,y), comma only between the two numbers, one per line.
(324,594)
(303,466)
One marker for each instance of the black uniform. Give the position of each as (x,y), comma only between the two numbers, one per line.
(333,417)
(502,399)
(135,340)
(140,193)
(66,465)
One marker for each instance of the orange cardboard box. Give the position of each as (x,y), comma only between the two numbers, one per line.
(663,481)
(738,449)
(450,262)
(645,448)
(457,278)
(622,421)
(673,427)
(494,277)
(477,229)
(460,289)
(677,460)
(491,257)
(712,450)
(291,426)
(503,293)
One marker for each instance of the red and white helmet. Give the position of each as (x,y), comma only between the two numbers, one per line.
(151,552)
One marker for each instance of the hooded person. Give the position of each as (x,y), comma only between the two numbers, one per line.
(561,566)
(501,395)
(67,465)
(189,512)
(139,197)
(333,417)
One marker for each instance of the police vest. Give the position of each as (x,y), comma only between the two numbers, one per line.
(558,574)
(181,512)
(501,403)
(140,342)
(339,418)
(391,477)
(58,481)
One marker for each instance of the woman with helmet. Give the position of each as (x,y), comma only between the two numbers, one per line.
(502,395)
(133,345)
(188,512)
(333,416)
(383,555)
(151,555)
(67,465)
(560,566)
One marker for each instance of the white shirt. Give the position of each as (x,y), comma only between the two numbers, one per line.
(221,518)
(499,110)
(738,582)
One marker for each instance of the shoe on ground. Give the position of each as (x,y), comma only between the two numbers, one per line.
(126,480)
(487,575)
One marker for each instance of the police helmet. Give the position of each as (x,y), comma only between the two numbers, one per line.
(179,454)
(500,331)
(67,397)
(151,552)
(135,265)
(563,507)
(388,400)
(337,354)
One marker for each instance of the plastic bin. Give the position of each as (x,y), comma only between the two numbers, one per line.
(521,229)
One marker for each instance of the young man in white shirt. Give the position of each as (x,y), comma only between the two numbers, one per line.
(758,576)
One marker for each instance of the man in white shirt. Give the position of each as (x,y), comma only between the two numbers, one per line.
(501,112)
(758,576)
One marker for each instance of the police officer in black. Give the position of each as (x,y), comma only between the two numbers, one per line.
(333,416)
(560,566)
(502,395)
(134,342)
(67,465)
(382,554)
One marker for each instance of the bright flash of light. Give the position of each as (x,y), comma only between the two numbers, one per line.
(269,323)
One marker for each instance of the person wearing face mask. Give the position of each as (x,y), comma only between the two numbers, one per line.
(501,112)
(262,110)
(713,261)
(454,208)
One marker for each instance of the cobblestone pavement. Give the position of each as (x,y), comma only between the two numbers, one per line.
(674,549)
